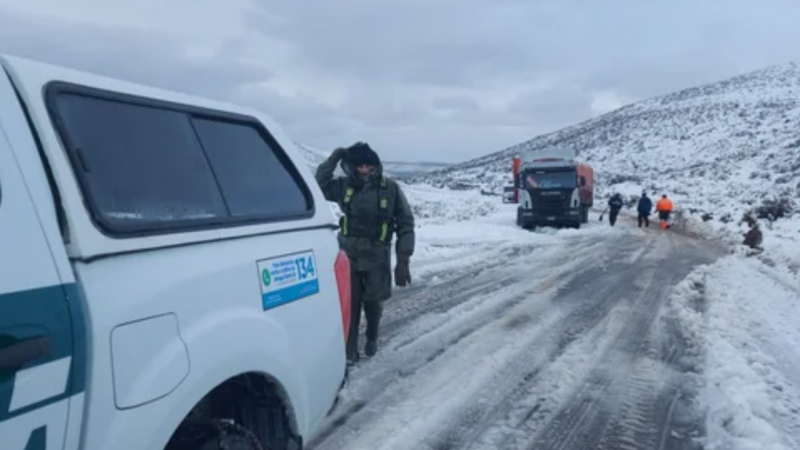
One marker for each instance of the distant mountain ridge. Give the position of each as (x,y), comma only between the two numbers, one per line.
(315,157)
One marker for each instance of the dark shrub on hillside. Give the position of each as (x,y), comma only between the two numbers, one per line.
(618,179)
(773,209)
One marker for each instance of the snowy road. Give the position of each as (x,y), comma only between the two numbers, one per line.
(515,340)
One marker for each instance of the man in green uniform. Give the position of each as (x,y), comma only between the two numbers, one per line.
(375,209)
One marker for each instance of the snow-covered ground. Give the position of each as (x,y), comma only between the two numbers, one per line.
(718,151)
(593,338)
(743,320)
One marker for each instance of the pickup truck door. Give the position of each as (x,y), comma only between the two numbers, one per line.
(42,366)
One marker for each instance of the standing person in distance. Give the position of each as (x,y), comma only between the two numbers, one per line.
(375,208)
(614,206)
(645,208)
(664,208)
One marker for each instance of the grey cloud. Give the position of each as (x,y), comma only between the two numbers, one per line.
(304,118)
(159,60)
(417,72)
(444,42)
(458,104)
(475,42)
(554,108)
(632,48)
(134,55)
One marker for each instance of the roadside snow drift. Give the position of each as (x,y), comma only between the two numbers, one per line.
(743,318)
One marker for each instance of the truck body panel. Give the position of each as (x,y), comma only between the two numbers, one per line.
(138,328)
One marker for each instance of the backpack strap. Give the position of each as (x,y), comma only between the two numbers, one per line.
(348,195)
(384,215)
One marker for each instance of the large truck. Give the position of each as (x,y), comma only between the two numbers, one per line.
(552,189)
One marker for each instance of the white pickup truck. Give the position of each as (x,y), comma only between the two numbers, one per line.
(166,270)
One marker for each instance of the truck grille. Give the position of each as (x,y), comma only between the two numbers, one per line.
(549,201)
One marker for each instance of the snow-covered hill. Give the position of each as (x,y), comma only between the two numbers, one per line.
(717,149)
(732,142)
(410,169)
(315,156)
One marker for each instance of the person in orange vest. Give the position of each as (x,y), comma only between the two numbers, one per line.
(664,208)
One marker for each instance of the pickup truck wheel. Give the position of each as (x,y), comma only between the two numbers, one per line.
(217,434)
(244,413)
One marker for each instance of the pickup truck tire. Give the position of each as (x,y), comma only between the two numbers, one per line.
(218,434)
(244,413)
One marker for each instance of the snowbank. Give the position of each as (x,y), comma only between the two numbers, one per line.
(781,240)
(436,206)
(444,243)
(741,317)
(433,206)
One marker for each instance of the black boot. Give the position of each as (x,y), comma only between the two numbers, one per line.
(371,348)
(373,312)
(352,339)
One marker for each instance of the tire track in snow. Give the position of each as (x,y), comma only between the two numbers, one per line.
(572,371)
(495,356)
(426,348)
(476,417)
(476,281)
(626,401)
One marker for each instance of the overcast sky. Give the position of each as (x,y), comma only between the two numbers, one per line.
(435,80)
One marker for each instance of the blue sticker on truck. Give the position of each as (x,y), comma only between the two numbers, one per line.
(287,278)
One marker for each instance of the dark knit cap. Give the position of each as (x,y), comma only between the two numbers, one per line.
(361,153)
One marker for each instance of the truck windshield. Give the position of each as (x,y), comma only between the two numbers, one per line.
(551,180)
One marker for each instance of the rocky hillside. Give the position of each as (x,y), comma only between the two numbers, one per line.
(717,149)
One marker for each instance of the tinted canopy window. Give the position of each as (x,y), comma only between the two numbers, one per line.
(142,167)
(147,166)
(254,180)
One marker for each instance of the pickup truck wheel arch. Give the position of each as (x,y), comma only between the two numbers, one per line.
(254,402)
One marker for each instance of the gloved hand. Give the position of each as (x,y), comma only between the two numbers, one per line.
(402,274)
(339,152)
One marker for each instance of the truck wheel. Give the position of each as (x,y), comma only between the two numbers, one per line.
(218,434)
(244,413)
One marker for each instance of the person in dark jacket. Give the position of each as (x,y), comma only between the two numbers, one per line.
(375,209)
(614,206)
(754,237)
(644,209)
